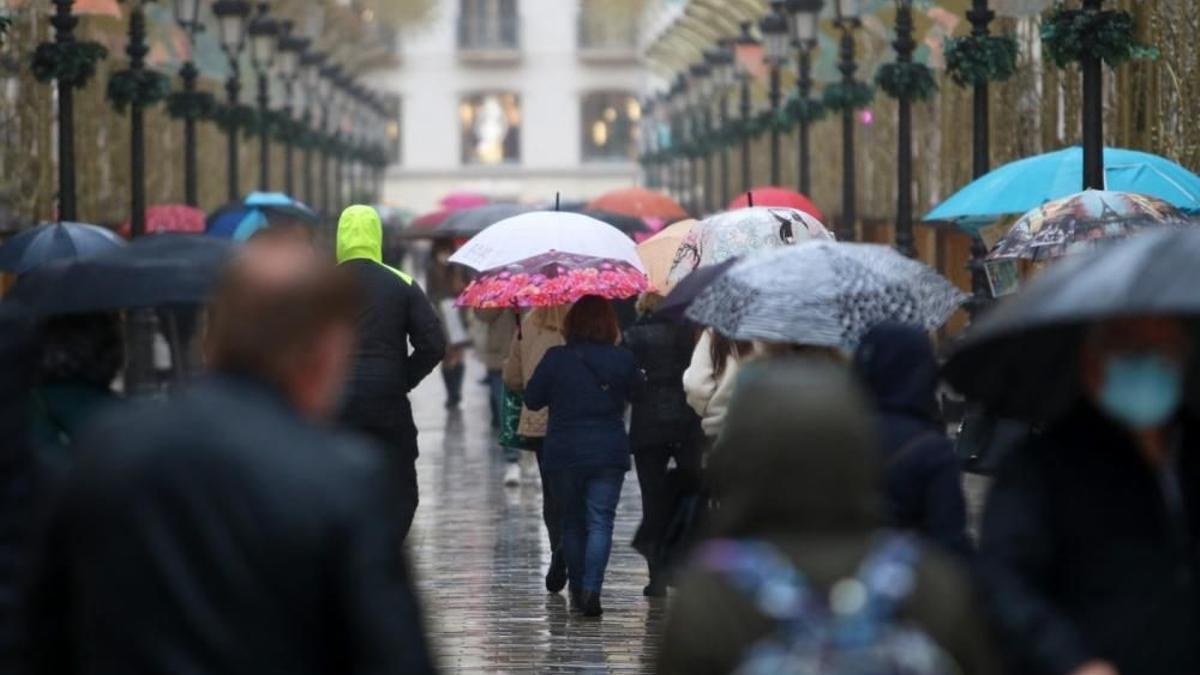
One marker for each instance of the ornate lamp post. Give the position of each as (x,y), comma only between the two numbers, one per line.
(1093,112)
(341,107)
(187,15)
(64,22)
(291,52)
(775,33)
(805,14)
(744,45)
(724,74)
(701,91)
(678,103)
(847,20)
(311,64)
(140,369)
(263,40)
(231,23)
(329,74)
(980,16)
(904,51)
(662,140)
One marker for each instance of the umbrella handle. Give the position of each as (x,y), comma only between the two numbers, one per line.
(517,314)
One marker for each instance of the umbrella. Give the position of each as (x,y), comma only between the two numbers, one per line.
(1027,183)
(675,305)
(553,279)
(55,241)
(160,269)
(1068,225)
(658,252)
(176,218)
(824,294)
(240,220)
(734,234)
(639,202)
(470,222)
(530,234)
(630,225)
(1022,358)
(456,201)
(776,196)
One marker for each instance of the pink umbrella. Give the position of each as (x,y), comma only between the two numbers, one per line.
(170,218)
(463,200)
(554,279)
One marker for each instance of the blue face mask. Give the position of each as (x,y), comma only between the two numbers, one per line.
(1141,391)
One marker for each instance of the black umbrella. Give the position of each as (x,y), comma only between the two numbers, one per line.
(55,241)
(689,288)
(1022,359)
(154,270)
(470,222)
(627,224)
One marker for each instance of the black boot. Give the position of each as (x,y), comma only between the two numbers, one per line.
(655,589)
(576,599)
(452,377)
(556,578)
(591,604)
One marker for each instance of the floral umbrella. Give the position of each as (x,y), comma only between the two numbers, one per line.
(735,234)
(553,279)
(1064,226)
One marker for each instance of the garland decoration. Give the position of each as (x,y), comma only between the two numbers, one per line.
(72,63)
(142,88)
(236,117)
(1071,34)
(978,59)
(906,80)
(842,96)
(804,110)
(190,105)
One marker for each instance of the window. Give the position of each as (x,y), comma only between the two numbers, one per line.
(610,126)
(605,25)
(488,25)
(491,128)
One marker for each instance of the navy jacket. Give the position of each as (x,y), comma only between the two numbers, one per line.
(587,423)
(924,480)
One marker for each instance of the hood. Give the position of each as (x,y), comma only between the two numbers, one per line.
(360,235)
(897,364)
(798,454)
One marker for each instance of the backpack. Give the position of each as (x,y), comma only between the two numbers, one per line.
(855,631)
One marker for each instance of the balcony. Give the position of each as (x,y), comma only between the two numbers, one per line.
(607,41)
(489,40)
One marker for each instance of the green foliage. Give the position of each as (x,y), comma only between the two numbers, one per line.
(194,105)
(804,110)
(906,80)
(73,63)
(973,59)
(142,88)
(848,96)
(1070,34)
(239,117)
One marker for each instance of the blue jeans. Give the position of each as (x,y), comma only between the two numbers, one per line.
(588,499)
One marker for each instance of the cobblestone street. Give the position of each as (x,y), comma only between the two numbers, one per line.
(480,555)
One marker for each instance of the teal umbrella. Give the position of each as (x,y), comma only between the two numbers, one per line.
(1026,184)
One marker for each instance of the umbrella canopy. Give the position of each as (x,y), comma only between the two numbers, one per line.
(1027,183)
(160,269)
(1022,357)
(162,218)
(735,234)
(675,305)
(456,201)
(639,202)
(824,294)
(525,236)
(55,241)
(658,252)
(240,220)
(470,222)
(627,224)
(1080,221)
(554,279)
(776,196)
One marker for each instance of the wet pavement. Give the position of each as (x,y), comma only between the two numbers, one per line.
(480,555)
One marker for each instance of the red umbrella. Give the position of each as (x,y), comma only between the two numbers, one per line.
(169,218)
(777,196)
(639,203)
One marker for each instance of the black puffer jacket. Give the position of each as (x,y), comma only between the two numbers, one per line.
(661,414)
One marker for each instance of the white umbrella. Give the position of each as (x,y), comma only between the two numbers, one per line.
(531,234)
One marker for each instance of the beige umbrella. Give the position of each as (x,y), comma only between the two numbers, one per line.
(658,252)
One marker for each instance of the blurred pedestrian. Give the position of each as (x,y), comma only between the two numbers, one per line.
(229,530)
(663,429)
(1091,537)
(446,282)
(801,510)
(586,385)
(395,314)
(540,331)
(924,481)
(493,339)
(710,377)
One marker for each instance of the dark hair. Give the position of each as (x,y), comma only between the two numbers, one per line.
(592,319)
(82,348)
(721,348)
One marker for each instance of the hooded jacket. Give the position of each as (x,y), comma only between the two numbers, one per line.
(923,477)
(395,313)
(797,467)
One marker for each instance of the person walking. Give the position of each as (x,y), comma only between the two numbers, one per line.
(446,281)
(1090,545)
(395,314)
(586,385)
(540,331)
(663,428)
(710,377)
(230,529)
(924,482)
(799,472)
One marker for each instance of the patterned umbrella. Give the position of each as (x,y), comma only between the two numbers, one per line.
(735,234)
(1068,225)
(776,196)
(176,218)
(531,234)
(639,203)
(824,294)
(553,279)
(658,252)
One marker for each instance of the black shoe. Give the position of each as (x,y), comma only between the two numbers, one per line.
(556,578)
(655,589)
(576,600)
(591,604)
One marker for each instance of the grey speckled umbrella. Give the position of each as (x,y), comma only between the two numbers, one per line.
(824,294)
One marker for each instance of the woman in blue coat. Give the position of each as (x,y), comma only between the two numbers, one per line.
(586,384)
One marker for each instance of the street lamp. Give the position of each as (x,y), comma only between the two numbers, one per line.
(701,90)
(263,40)
(847,20)
(310,65)
(904,45)
(187,15)
(745,47)
(291,52)
(1093,109)
(231,26)
(325,96)
(64,22)
(805,14)
(721,63)
(776,35)
(980,16)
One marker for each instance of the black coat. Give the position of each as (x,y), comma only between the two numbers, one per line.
(395,313)
(924,480)
(1084,558)
(661,415)
(222,533)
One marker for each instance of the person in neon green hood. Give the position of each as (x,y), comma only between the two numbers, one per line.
(395,314)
